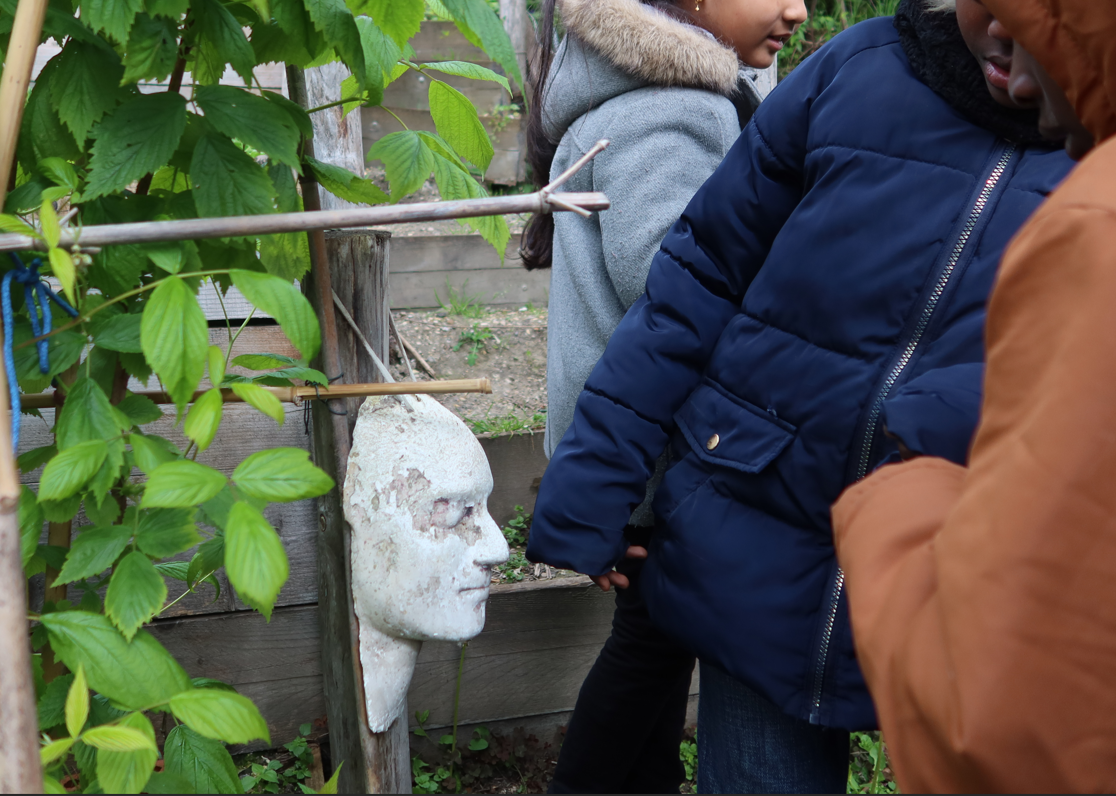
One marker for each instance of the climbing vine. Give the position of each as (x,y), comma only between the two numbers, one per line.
(108,137)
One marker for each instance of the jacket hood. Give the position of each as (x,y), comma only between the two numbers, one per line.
(1075,40)
(616,46)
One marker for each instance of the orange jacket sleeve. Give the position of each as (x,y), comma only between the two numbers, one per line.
(983,601)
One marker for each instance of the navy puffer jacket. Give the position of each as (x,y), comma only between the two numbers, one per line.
(844,248)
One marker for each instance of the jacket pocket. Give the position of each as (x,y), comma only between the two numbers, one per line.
(727,431)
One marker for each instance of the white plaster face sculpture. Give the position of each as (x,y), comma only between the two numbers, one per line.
(423,543)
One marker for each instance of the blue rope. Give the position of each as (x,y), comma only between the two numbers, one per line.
(38,296)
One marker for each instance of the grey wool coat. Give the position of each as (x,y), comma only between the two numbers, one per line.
(670,99)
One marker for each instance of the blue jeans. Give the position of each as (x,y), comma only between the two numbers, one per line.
(748,745)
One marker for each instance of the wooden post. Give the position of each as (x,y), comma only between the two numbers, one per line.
(520,30)
(337,138)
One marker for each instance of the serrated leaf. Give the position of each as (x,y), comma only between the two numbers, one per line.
(163,533)
(150,454)
(255,560)
(204,418)
(262,400)
(52,704)
(479,18)
(181,484)
(140,409)
(174,337)
(136,675)
(93,551)
(331,785)
(17,226)
(400,19)
(457,122)
(281,475)
(407,160)
(263,361)
(128,772)
(297,113)
(77,703)
(456,183)
(227,182)
(335,22)
(286,304)
(223,715)
(258,123)
(118,739)
(469,70)
(135,594)
(85,87)
(120,333)
(203,763)
(138,138)
(30,524)
(114,17)
(69,471)
(171,9)
(306,374)
(346,185)
(222,40)
(55,750)
(288,255)
(180,570)
(61,172)
(152,49)
(49,222)
(42,135)
(35,458)
(62,266)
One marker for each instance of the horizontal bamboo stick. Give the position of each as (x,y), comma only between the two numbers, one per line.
(295,395)
(239,226)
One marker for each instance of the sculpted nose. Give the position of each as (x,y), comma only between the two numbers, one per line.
(492,548)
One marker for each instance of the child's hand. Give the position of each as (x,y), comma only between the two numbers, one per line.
(614,578)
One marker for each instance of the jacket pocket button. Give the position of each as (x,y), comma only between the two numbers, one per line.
(713,442)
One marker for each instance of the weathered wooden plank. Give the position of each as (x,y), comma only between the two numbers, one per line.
(275,664)
(450,253)
(518,463)
(337,137)
(495,286)
(410,91)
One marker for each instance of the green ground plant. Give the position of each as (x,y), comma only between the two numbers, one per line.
(827,19)
(460,303)
(473,340)
(268,774)
(511,423)
(94,148)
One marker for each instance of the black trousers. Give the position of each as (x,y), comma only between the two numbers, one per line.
(630,714)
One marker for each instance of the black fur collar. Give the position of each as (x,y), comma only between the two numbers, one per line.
(941,60)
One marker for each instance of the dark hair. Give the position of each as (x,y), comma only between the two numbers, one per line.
(537,243)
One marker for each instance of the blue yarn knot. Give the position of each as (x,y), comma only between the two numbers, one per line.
(38,296)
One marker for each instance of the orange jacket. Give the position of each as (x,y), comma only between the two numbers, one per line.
(983,600)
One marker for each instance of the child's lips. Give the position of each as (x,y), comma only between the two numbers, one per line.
(997,74)
(776,42)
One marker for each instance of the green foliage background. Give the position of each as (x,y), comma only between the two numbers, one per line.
(827,19)
(94,142)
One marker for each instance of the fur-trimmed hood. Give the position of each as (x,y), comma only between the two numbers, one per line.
(616,46)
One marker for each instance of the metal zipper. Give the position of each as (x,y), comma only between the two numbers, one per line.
(975,214)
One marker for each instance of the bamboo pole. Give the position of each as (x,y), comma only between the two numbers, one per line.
(275,223)
(296,395)
(20,771)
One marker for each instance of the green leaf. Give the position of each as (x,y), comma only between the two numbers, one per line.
(136,675)
(88,416)
(283,302)
(174,336)
(216,358)
(331,785)
(120,333)
(209,558)
(263,361)
(180,570)
(255,560)
(204,418)
(61,172)
(286,256)
(55,750)
(221,40)
(470,70)
(458,124)
(172,784)
(306,374)
(140,409)
(480,18)
(114,17)
(170,256)
(103,515)
(128,772)
(281,475)
(381,53)
(224,715)
(227,182)
(202,762)
(152,50)
(258,123)
(171,9)
(49,221)
(52,704)
(166,532)
(69,471)
(138,138)
(150,452)
(62,265)
(181,484)
(77,703)
(297,113)
(118,739)
(35,458)
(335,22)
(346,185)
(135,594)
(407,160)
(41,136)
(400,19)
(17,226)
(30,524)
(93,551)
(456,183)
(262,400)
(86,86)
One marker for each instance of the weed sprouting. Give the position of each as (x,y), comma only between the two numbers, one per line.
(460,303)
(475,339)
